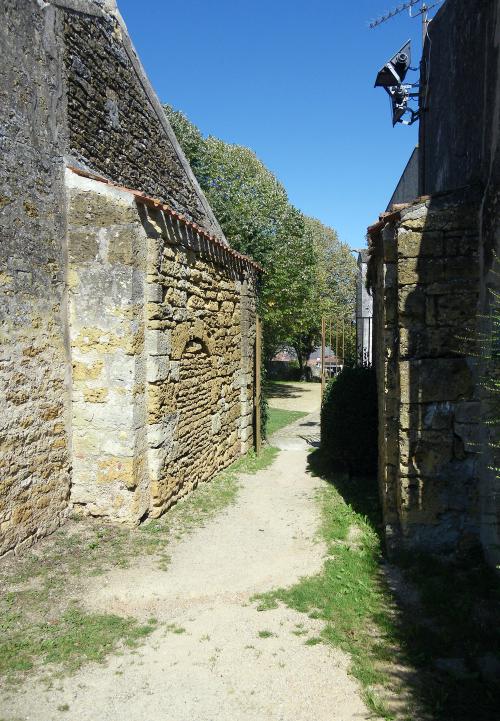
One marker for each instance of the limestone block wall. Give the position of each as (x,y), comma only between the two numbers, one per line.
(162,331)
(106,279)
(425,271)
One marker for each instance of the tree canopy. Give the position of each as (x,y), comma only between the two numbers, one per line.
(309,272)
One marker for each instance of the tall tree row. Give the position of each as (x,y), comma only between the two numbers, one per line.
(309,272)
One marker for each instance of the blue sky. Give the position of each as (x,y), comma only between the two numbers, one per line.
(294,82)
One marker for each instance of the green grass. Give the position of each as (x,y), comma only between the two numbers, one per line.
(42,622)
(265,634)
(347,594)
(70,640)
(362,616)
(279,419)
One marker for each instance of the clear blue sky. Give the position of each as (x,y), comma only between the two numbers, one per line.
(294,82)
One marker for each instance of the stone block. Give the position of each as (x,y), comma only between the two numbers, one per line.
(468,412)
(457,309)
(83,246)
(158,342)
(122,242)
(411,304)
(412,244)
(412,271)
(157,369)
(100,209)
(470,435)
(465,267)
(162,434)
(433,380)
(426,452)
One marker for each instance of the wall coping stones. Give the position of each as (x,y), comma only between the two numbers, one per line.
(224,251)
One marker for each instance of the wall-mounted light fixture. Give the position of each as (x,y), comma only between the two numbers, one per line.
(391,77)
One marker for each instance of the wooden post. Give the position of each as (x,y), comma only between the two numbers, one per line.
(323,333)
(258,390)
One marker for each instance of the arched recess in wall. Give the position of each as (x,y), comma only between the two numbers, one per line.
(194,452)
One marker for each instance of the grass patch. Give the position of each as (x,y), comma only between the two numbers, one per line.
(278,419)
(364,618)
(70,640)
(41,620)
(347,594)
(265,634)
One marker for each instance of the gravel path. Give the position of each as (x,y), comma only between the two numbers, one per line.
(221,659)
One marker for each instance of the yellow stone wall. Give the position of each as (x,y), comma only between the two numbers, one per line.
(162,333)
(424,269)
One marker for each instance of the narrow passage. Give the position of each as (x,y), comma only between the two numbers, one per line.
(214,655)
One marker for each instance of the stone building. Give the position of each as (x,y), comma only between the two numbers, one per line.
(432,268)
(127,322)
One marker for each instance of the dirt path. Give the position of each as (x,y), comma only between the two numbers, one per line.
(215,657)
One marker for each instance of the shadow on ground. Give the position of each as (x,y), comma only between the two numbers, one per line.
(442,619)
(285,390)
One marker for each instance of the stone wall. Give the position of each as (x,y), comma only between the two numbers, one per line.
(127,333)
(116,125)
(425,269)
(35,463)
(459,148)
(162,343)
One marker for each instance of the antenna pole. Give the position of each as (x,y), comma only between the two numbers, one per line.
(425,22)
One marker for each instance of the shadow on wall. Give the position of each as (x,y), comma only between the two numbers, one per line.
(426,259)
(438,291)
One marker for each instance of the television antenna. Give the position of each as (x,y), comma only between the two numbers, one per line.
(423,10)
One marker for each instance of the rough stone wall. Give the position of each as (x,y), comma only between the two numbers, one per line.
(425,268)
(34,482)
(82,275)
(115,127)
(201,326)
(162,342)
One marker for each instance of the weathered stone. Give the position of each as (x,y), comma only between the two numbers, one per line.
(428,437)
(118,337)
(419,245)
(432,380)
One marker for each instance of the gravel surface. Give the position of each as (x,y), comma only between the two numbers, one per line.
(215,657)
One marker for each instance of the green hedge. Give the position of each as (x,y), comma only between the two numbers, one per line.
(349,421)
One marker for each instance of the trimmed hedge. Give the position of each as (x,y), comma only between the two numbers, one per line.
(349,421)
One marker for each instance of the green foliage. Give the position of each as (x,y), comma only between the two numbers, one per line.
(308,271)
(70,639)
(349,420)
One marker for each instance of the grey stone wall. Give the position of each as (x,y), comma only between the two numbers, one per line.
(114,127)
(35,463)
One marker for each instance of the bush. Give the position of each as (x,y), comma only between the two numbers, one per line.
(349,421)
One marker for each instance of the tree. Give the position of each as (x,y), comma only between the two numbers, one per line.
(257,218)
(308,271)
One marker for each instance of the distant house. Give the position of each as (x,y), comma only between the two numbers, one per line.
(333,363)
